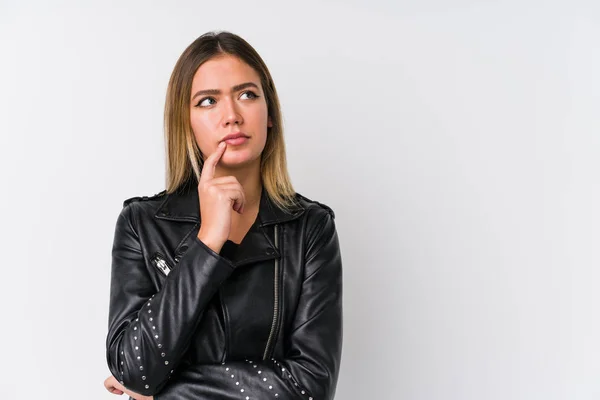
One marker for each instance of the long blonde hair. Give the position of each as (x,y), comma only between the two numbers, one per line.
(183,157)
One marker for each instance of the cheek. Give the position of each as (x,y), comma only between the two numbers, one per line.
(204,129)
(203,122)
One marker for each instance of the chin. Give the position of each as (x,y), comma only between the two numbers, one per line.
(238,159)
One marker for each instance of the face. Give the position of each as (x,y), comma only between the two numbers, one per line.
(227,98)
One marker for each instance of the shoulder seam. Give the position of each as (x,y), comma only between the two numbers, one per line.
(143,198)
(324,206)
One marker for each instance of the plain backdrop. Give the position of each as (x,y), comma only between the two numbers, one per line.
(457,141)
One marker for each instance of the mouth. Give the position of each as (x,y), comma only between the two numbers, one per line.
(235,138)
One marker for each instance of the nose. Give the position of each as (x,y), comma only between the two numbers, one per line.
(230,113)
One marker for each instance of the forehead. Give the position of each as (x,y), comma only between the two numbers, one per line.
(223,72)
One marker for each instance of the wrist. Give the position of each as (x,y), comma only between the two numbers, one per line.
(214,245)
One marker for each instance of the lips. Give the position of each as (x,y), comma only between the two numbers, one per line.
(234,136)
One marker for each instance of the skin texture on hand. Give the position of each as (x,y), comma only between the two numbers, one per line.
(217,197)
(112,385)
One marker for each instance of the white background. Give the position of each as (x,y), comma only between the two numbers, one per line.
(458,143)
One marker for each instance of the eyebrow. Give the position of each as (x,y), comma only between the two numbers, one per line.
(217,91)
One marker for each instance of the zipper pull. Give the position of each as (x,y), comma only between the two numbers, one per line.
(160,263)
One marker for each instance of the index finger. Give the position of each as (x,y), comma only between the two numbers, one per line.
(208,169)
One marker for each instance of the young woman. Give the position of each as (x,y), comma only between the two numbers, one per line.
(228,284)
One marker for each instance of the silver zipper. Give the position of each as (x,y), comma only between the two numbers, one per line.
(161,264)
(275,303)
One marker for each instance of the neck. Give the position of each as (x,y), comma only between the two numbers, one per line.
(248,176)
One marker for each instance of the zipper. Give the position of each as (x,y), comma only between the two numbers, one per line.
(226,326)
(160,263)
(275,302)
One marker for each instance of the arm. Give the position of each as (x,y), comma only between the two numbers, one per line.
(311,364)
(149,332)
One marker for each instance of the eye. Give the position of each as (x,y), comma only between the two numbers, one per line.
(254,96)
(202,101)
(248,92)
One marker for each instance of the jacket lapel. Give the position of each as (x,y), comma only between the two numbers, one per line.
(183,206)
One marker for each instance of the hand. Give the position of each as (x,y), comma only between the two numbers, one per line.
(112,385)
(217,197)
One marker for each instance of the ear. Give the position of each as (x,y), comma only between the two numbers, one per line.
(269,122)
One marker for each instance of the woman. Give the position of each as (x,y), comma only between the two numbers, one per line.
(228,284)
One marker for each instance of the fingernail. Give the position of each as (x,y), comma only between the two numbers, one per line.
(221,144)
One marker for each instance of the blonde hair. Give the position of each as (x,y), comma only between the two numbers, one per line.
(183,157)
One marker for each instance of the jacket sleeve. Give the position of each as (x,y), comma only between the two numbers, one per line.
(150,331)
(309,369)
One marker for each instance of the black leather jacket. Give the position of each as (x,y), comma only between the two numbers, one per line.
(258,321)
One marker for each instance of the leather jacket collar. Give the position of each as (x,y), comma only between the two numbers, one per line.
(183,205)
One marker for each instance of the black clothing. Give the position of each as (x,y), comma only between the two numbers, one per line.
(259,320)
